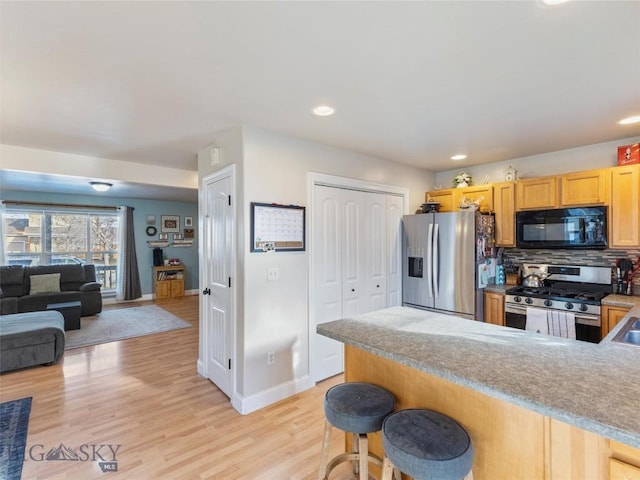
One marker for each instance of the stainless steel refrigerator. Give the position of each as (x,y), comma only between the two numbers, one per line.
(442,253)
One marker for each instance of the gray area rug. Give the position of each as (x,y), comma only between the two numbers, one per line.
(14,422)
(122,323)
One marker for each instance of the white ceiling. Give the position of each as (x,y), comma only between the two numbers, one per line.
(415,82)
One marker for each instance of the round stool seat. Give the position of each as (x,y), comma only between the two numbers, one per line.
(427,445)
(358,407)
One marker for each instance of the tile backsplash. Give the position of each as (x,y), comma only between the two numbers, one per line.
(596,258)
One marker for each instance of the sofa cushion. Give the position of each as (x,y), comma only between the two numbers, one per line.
(39,301)
(12,280)
(48,283)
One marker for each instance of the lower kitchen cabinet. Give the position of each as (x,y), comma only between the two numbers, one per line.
(624,463)
(494,308)
(611,316)
(510,442)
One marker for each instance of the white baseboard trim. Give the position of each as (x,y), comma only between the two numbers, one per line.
(200,369)
(250,404)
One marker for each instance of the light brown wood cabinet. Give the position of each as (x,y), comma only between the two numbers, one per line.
(584,188)
(537,193)
(512,442)
(624,463)
(624,211)
(447,199)
(504,202)
(169,281)
(611,316)
(494,308)
(482,192)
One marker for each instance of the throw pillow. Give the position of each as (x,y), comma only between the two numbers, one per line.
(49,283)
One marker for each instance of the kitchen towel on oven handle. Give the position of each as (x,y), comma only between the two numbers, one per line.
(537,320)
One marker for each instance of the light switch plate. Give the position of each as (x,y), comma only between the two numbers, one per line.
(273,273)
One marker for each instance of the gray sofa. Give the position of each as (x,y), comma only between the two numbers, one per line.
(76,283)
(29,339)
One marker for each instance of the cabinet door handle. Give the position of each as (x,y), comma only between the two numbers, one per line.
(206,291)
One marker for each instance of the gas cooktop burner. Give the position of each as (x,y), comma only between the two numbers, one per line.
(558,294)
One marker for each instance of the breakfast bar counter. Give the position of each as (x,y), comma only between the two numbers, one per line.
(536,406)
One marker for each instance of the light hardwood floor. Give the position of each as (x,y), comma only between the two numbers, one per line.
(145,395)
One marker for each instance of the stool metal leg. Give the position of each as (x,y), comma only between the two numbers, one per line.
(324,456)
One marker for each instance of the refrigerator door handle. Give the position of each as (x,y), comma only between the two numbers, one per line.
(436,258)
(430,261)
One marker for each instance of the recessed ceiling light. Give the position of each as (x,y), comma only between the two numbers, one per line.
(323,110)
(554,2)
(459,156)
(629,120)
(101,186)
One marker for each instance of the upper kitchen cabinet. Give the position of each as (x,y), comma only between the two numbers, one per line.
(624,208)
(584,188)
(481,193)
(447,199)
(504,202)
(537,193)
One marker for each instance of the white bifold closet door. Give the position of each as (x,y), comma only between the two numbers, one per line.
(356,263)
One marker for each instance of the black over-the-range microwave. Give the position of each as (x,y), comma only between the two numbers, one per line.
(580,227)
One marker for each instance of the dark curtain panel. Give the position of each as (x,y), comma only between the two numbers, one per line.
(130,276)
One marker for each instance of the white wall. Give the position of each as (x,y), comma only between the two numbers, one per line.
(599,155)
(275,316)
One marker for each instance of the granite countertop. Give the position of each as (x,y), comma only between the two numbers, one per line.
(591,386)
(616,300)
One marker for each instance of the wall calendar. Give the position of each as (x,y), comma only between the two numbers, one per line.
(277,228)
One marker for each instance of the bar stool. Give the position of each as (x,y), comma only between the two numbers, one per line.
(358,408)
(426,445)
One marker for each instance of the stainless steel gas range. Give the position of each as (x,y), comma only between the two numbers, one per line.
(567,288)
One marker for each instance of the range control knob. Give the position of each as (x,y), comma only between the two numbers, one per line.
(528,300)
(568,306)
(548,303)
(584,307)
(517,299)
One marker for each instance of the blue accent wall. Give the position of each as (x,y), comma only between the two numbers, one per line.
(188,256)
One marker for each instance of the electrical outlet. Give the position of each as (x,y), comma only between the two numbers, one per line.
(273,273)
(271,358)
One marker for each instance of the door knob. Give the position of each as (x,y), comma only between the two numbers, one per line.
(206,291)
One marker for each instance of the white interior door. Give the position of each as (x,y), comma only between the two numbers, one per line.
(326,355)
(394,250)
(352,235)
(375,252)
(356,264)
(217,295)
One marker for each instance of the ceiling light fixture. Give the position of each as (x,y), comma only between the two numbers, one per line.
(629,120)
(323,110)
(459,156)
(101,186)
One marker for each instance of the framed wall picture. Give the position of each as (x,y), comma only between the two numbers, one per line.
(188,221)
(163,236)
(177,236)
(170,223)
(189,233)
(151,219)
(277,228)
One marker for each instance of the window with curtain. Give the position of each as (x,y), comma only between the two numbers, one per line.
(34,236)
